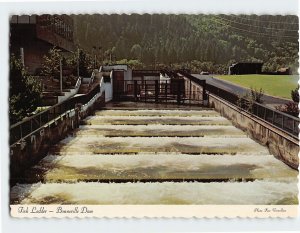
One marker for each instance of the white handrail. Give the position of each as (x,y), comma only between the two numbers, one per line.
(78,82)
(101,84)
(92,78)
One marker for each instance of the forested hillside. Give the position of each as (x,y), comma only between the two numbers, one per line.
(198,42)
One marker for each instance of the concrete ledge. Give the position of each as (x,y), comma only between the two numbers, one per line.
(35,146)
(281,144)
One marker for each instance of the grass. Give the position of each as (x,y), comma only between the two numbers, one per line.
(275,85)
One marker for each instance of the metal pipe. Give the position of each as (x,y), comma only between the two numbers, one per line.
(60,71)
(77,62)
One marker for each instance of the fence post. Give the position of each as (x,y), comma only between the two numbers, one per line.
(135,89)
(178,92)
(145,91)
(204,96)
(21,133)
(156,91)
(293,126)
(190,95)
(40,120)
(166,90)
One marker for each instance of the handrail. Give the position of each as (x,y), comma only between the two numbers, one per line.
(78,82)
(25,127)
(52,107)
(92,78)
(257,118)
(279,112)
(276,118)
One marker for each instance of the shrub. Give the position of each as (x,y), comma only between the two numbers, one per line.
(51,63)
(291,108)
(24,91)
(247,100)
(295,94)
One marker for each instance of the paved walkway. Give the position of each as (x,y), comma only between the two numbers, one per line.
(268,100)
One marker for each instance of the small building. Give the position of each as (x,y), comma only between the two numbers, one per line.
(31,37)
(145,75)
(284,71)
(245,68)
(121,76)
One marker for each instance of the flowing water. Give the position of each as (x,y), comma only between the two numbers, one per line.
(157,156)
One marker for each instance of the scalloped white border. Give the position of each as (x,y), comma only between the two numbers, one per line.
(125,6)
(154,211)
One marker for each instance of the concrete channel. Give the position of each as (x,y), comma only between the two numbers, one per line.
(136,153)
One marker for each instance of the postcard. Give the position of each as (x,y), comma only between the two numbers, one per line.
(153,115)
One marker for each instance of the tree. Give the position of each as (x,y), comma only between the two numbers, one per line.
(51,63)
(85,64)
(251,97)
(136,52)
(295,94)
(183,38)
(292,106)
(24,91)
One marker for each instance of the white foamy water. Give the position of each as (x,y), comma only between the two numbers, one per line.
(103,151)
(190,118)
(161,130)
(157,112)
(160,120)
(162,127)
(164,166)
(250,193)
(93,143)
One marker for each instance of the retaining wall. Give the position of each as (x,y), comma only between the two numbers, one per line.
(281,144)
(35,146)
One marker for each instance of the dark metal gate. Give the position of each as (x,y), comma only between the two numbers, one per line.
(166,91)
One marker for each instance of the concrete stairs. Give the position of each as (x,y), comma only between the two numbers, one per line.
(141,153)
(51,92)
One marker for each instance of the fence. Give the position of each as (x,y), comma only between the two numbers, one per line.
(168,91)
(31,124)
(279,119)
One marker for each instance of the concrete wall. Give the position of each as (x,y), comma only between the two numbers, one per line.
(128,74)
(115,67)
(70,93)
(192,89)
(35,146)
(107,87)
(282,145)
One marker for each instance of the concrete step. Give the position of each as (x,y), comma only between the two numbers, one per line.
(186,155)
(155,106)
(159,131)
(158,113)
(158,168)
(147,120)
(190,145)
(186,193)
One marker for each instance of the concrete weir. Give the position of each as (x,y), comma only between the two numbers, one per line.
(154,154)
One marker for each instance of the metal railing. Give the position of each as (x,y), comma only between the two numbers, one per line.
(276,118)
(279,119)
(78,83)
(29,125)
(168,91)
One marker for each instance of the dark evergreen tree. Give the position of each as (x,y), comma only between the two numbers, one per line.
(24,91)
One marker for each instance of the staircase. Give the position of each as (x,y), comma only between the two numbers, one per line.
(137,153)
(52,93)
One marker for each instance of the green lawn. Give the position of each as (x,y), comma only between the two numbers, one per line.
(275,85)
